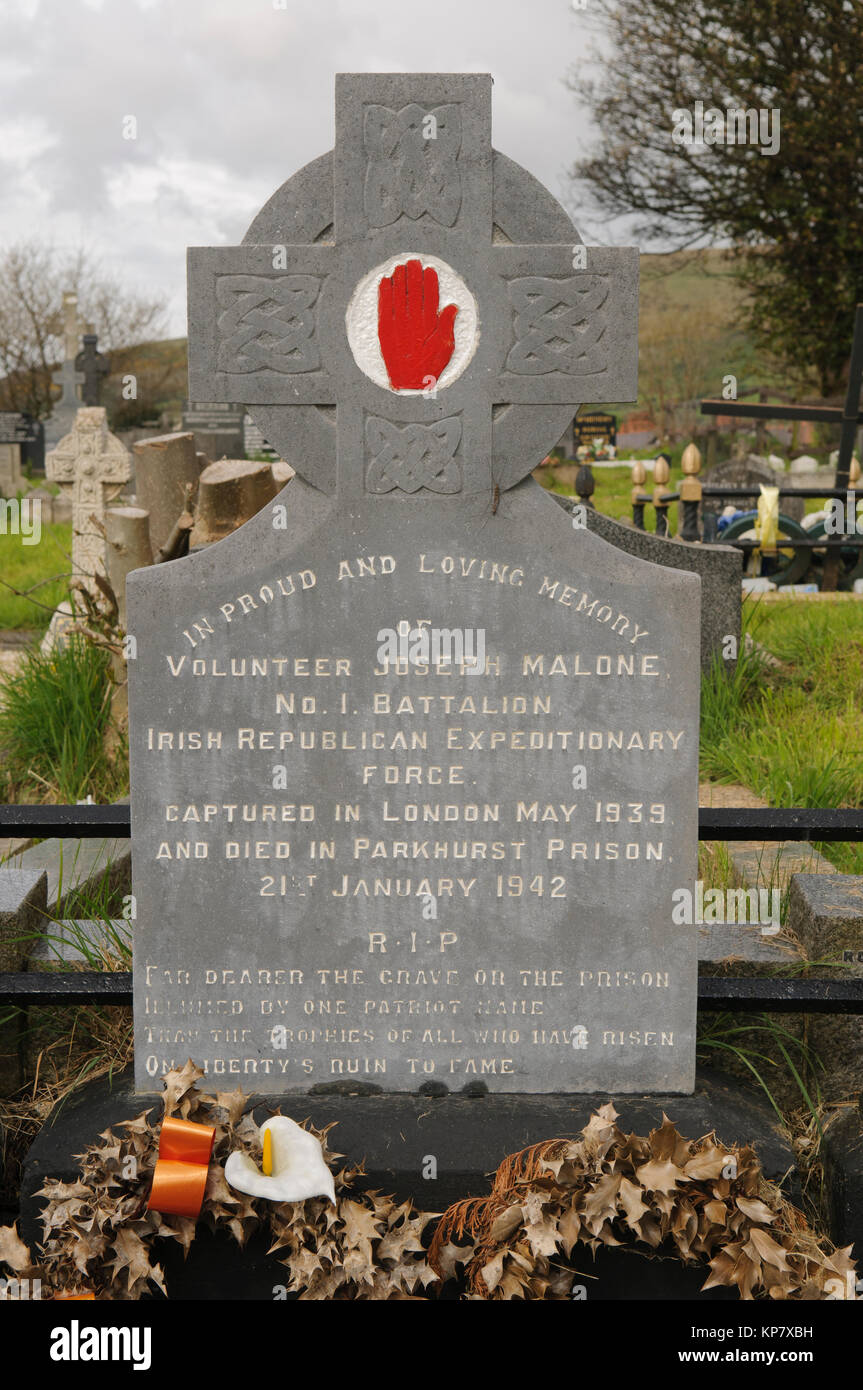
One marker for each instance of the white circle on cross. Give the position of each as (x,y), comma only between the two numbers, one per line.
(361,319)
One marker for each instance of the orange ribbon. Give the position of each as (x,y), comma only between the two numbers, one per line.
(72,1297)
(180,1175)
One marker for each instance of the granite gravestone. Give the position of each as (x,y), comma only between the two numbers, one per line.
(217,427)
(596,425)
(414,762)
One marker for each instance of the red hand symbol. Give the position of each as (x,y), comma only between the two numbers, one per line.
(416,340)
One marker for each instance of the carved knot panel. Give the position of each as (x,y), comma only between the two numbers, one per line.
(558,325)
(267,321)
(409,457)
(412,163)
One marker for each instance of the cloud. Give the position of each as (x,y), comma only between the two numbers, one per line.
(230,97)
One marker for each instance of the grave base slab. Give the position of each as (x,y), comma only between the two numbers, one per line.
(468,1136)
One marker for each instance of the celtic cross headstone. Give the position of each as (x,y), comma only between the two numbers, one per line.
(93,366)
(90,464)
(530,320)
(413,757)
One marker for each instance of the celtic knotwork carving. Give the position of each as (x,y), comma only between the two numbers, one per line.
(558,325)
(267,321)
(413,163)
(409,457)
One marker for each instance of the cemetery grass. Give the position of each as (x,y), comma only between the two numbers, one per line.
(40,575)
(792,732)
(54,717)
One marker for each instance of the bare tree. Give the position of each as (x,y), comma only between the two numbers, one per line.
(33,279)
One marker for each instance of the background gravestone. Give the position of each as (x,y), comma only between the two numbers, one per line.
(749,472)
(589,426)
(348,867)
(720,568)
(217,427)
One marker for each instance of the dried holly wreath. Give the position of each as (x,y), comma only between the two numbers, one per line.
(704,1202)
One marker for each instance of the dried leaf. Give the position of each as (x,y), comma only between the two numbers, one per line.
(660,1176)
(755,1210)
(13,1251)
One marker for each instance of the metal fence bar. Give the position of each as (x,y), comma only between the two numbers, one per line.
(66,987)
(741,492)
(788,823)
(816,414)
(747,992)
(715,992)
(82,822)
(714,823)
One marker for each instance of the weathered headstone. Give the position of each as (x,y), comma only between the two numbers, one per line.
(719,567)
(748,472)
(91,465)
(22,445)
(593,425)
(450,858)
(217,427)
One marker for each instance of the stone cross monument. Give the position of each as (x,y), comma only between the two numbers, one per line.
(413,753)
(499,320)
(94,367)
(86,463)
(68,377)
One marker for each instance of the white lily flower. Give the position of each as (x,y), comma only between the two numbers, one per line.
(292,1169)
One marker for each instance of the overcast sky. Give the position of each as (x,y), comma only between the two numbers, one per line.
(231,97)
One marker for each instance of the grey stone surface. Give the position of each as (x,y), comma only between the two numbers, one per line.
(23,901)
(719,566)
(773,863)
(73,865)
(403,873)
(611,915)
(749,472)
(826,912)
(743,944)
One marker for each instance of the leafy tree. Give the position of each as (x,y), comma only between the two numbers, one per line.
(794,218)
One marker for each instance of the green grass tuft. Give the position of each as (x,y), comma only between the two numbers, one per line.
(53,715)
